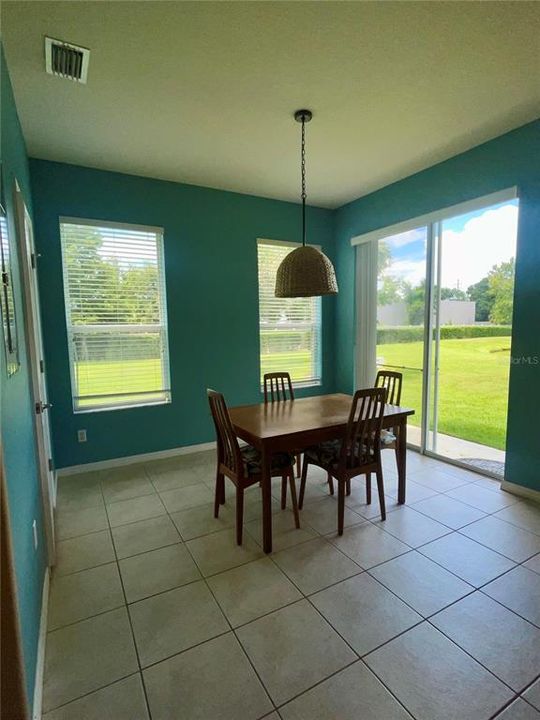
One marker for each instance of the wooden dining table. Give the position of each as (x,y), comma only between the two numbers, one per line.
(293,425)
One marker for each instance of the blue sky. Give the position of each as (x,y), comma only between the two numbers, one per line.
(472,244)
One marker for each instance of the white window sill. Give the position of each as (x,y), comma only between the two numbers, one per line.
(112,408)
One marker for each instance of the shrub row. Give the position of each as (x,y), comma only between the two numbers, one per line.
(415,333)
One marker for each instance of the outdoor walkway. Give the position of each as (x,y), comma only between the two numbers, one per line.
(480,456)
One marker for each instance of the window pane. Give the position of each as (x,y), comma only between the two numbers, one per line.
(290,328)
(115,308)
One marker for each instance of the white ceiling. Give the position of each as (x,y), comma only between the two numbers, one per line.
(203,92)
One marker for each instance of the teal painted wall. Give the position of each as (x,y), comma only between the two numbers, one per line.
(510,160)
(212,300)
(17,429)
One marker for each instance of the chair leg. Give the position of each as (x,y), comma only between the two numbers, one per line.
(294,501)
(330,484)
(284,492)
(368,488)
(341,506)
(348,486)
(303,483)
(298,465)
(239,514)
(222,498)
(219,497)
(380,487)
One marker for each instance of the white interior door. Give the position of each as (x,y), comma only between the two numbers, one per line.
(37,368)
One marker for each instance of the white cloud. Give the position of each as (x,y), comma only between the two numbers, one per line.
(413,271)
(406,238)
(486,240)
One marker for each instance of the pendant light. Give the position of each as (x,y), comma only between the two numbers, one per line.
(306,271)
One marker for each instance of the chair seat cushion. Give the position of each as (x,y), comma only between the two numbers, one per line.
(387,437)
(252,460)
(326,454)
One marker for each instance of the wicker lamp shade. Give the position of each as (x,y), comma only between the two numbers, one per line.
(305,272)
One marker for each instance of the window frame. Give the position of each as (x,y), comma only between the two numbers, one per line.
(315,382)
(160,253)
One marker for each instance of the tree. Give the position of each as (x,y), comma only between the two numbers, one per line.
(480,293)
(390,291)
(103,292)
(90,280)
(415,299)
(384,257)
(501,287)
(453,294)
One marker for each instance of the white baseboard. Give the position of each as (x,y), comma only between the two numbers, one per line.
(40,660)
(525,492)
(132,459)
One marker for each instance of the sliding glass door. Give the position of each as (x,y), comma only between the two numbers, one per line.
(401,315)
(473,282)
(442,317)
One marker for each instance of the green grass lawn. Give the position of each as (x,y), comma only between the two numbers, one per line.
(96,378)
(297,363)
(473,385)
(473,388)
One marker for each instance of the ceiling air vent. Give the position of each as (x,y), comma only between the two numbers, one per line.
(66,60)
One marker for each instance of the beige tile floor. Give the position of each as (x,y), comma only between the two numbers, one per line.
(156,613)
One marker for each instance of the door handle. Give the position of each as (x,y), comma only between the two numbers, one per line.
(40,407)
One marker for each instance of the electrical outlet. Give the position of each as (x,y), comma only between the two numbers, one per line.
(81,435)
(34,530)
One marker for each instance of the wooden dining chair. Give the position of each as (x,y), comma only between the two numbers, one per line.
(242,465)
(392,381)
(358,452)
(278,386)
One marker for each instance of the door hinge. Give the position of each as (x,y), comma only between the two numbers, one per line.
(41,366)
(5,279)
(51,465)
(33,260)
(38,408)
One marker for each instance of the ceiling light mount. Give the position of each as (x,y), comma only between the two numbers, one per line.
(303,116)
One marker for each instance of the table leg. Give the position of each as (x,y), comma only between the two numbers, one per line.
(401,456)
(266,499)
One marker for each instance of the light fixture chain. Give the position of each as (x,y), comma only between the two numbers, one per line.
(303,162)
(303,171)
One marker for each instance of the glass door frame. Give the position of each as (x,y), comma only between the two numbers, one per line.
(365,339)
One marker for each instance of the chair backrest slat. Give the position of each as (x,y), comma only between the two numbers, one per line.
(276,385)
(392,381)
(361,443)
(227,442)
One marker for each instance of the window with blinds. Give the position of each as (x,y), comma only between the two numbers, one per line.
(289,328)
(114,287)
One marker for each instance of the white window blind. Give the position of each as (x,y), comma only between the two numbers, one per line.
(114,287)
(290,328)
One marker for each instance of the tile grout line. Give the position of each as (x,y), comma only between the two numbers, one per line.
(91,692)
(464,650)
(231,628)
(357,654)
(137,672)
(133,639)
(304,596)
(110,528)
(234,629)
(359,657)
